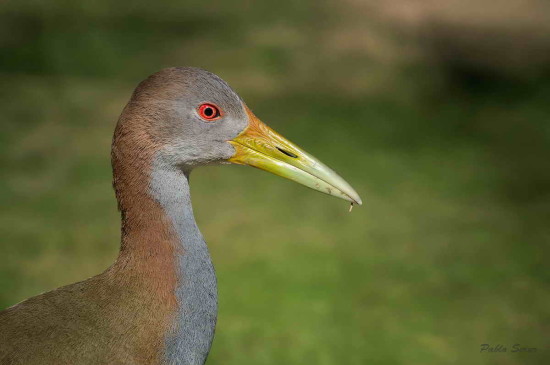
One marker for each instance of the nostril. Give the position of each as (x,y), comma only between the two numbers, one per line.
(289,154)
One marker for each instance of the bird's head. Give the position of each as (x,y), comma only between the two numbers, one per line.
(199,120)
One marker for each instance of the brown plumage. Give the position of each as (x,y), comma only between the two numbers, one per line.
(122,315)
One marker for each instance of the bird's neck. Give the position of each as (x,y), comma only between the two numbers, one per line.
(163,245)
(196,291)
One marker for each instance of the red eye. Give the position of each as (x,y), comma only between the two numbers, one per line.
(209,112)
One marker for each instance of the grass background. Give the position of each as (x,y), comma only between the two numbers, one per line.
(447,145)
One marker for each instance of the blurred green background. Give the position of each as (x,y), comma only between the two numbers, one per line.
(437,112)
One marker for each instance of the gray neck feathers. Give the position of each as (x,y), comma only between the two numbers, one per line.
(196,291)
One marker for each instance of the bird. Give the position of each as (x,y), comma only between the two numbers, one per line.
(157,303)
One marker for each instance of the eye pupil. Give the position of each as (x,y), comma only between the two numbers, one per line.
(208,112)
